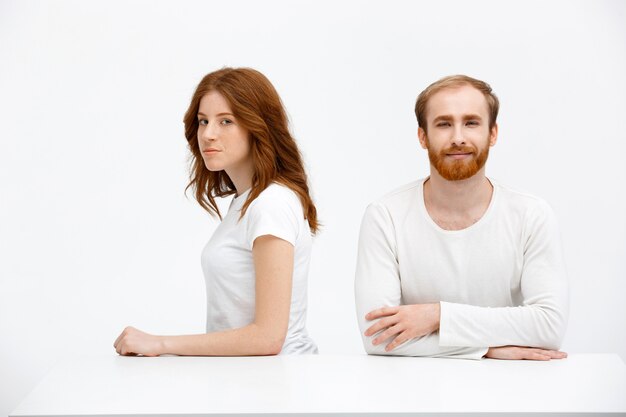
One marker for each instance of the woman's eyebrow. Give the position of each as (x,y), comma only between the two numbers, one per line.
(219,114)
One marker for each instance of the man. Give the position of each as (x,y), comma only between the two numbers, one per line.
(456,264)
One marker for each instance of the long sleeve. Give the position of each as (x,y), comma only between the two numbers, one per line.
(541,319)
(378,284)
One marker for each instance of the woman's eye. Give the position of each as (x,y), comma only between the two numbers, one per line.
(203,122)
(226,122)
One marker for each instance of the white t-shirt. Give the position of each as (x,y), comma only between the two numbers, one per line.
(229,269)
(500,281)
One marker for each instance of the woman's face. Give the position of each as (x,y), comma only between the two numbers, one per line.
(224,143)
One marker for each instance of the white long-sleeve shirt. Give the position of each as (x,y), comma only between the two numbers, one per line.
(500,281)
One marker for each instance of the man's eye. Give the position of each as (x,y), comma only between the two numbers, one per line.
(203,122)
(443,124)
(472,123)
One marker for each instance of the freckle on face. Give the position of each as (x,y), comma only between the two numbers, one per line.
(229,136)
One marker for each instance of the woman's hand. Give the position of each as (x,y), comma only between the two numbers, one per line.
(521,352)
(134,342)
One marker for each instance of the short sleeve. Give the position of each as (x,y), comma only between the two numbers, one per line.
(276,211)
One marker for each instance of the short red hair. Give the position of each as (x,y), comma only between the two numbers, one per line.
(454,81)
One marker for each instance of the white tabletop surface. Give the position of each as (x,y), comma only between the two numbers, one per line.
(326,384)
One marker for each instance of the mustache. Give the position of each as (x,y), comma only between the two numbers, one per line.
(458,149)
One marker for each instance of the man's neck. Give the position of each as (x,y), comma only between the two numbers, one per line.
(455,205)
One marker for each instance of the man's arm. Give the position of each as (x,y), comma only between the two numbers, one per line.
(538,323)
(541,320)
(377,285)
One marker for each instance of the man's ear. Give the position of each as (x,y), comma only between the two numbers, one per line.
(493,135)
(421,135)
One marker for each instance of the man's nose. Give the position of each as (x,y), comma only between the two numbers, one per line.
(458,138)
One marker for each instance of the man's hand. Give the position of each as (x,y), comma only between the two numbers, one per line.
(521,352)
(134,342)
(403,323)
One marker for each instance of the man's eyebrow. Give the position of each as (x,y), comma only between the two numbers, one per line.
(447,117)
(471,116)
(443,117)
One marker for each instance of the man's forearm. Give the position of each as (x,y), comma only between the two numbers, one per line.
(540,326)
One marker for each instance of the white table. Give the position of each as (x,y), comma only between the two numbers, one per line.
(327,385)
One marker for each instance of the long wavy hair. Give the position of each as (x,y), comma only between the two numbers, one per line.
(275,155)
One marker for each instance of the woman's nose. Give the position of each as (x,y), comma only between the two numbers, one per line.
(209,133)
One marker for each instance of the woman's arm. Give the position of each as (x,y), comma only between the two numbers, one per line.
(273,265)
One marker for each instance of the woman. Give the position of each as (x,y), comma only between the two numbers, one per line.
(256,263)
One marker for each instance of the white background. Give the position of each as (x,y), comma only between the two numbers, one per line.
(96,233)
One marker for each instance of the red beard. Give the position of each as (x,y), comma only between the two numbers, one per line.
(456,170)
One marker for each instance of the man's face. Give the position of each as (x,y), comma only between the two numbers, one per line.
(458,139)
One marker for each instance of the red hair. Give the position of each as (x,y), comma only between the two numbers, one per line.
(455,81)
(275,155)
